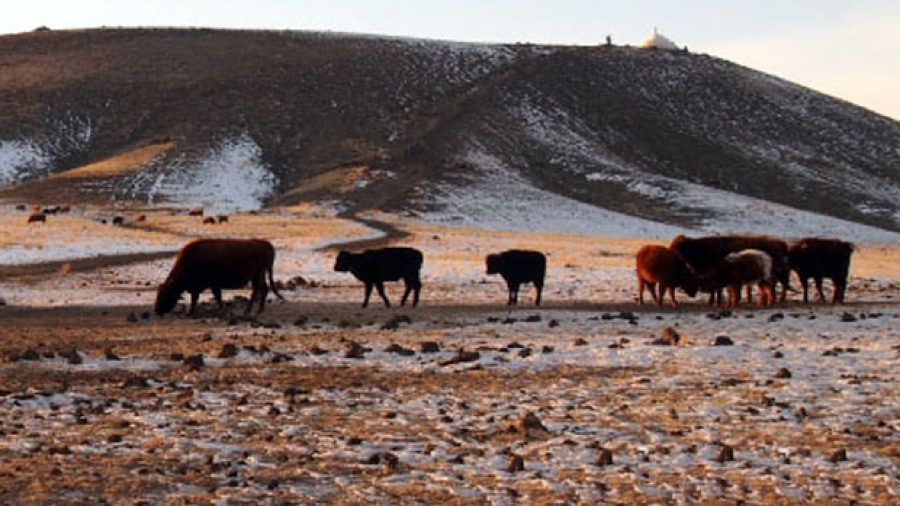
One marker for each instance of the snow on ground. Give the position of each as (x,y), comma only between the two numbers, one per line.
(19,159)
(231,179)
(500,199)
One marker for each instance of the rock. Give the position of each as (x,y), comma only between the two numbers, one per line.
(303,320)
(838,456)
(394,323)
(462,356)
(848,317)
(723,341)
(229,350)
(533,318)
(726,454)
(774,317)
(386,459)
(315,350)
(194,362)
(516,464)
(430,347)
(72,357)
(604,458)
(553,324)
(110,354)
(132,317)
(2,302)
(531,425)
(399,350)
(356,350)
(783,373)
(669,337)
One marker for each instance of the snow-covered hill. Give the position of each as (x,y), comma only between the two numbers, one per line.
(591,140)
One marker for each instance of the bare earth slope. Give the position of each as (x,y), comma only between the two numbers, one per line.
(646,133)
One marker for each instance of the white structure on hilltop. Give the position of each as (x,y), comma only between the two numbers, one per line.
(658,41)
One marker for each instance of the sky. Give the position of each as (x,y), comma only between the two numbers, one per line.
(847,49)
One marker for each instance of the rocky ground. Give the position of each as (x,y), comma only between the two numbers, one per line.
(588,399)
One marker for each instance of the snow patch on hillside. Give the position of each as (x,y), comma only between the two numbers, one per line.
(231,179)
(499,198)
(21,159)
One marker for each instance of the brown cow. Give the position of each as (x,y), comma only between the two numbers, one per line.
(703,253)
(37,218)
(666,267)
(219,264)
(819,258)
(737,270)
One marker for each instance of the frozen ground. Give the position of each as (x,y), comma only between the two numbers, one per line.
(321,401)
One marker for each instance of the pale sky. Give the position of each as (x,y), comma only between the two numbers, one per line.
(845,48)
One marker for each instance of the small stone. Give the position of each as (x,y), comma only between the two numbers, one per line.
(110,354)
(516,464)
(726,454)
(604,458)
(530,422)
(430,347)
(783,373)
(229,350)
(848,317)
(194,362)
(838,456)
(723,341)
(669,337)
(131,318)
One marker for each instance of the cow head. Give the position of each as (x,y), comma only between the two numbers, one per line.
(344,262)
(166,297)
(494,264)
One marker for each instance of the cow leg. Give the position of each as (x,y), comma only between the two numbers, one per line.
(818,282)
(804,283)
(641,286)
(662,295)
(417,288)
(539,286)
(750,293)
(261,290)
(217,294)
(380,287)
(368,294)
(839,287)
(194,297)
(513,289)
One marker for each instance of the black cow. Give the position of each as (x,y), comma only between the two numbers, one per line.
(818,259)
(517,267)
(375,266)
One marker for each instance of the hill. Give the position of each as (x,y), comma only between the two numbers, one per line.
(243,119)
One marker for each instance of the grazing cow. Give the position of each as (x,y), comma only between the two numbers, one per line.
(818,259)
(219,264)
(222,218)
(667,268)
(118,220)
(209,220)
(703,253)
(517,267)
(736,270)
(375,266)
(37,218)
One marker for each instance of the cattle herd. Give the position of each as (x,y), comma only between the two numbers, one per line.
(729,263)
(715,265)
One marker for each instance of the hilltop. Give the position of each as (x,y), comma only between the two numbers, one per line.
(452,131)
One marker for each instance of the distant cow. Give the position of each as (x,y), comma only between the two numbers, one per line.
(818,259)
(118,220)
(517,267)
(737,270)
(375,266)
(705,252)
(222,218)
(209,220)
(37,218)
(659,265)
(219,264)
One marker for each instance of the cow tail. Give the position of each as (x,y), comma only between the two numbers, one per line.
(272,281)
